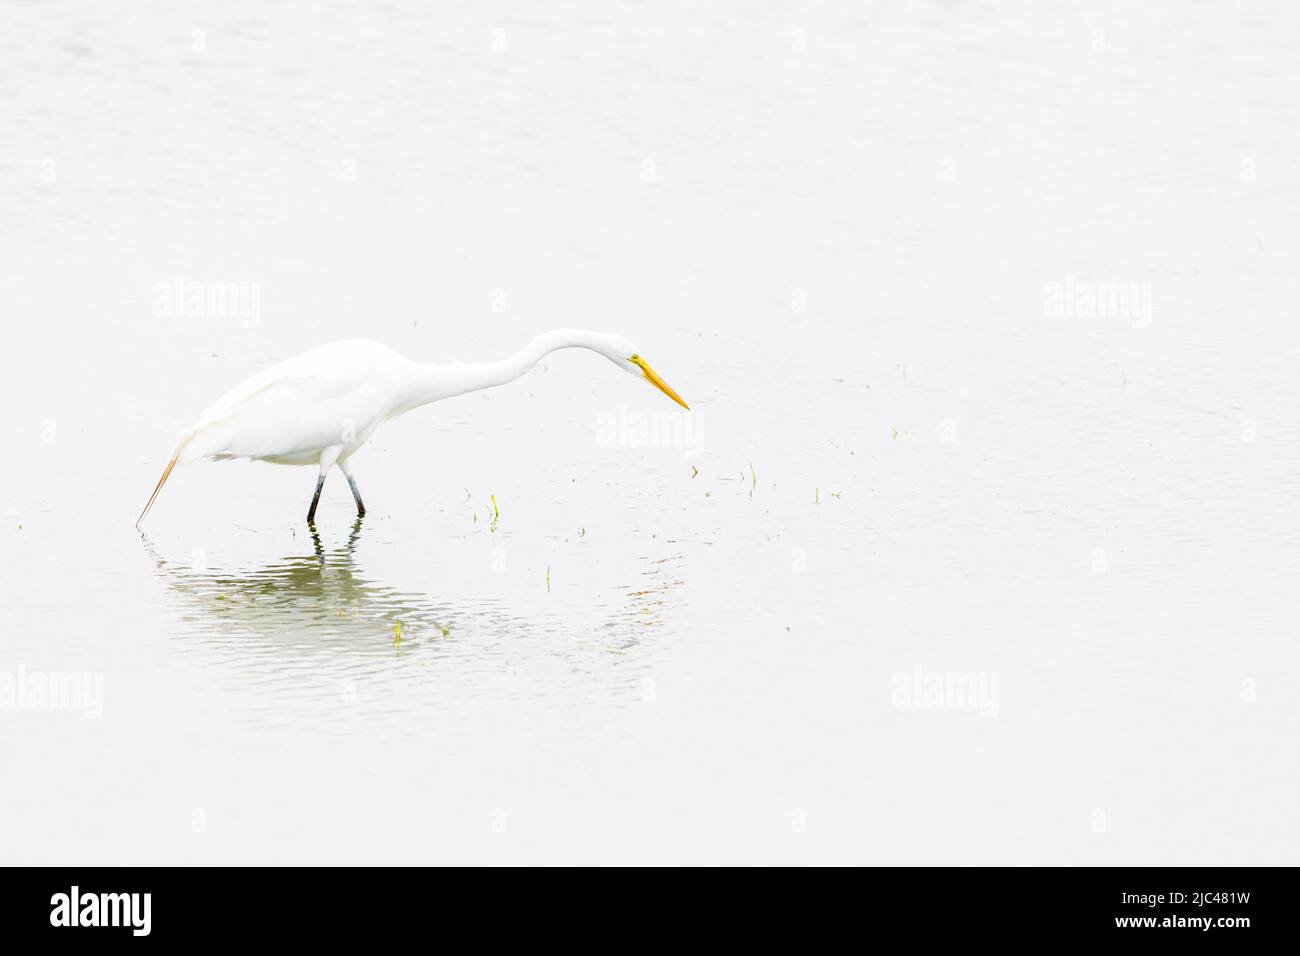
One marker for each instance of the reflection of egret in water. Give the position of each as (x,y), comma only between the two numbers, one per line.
(319,601)
(316,623)
(306,643)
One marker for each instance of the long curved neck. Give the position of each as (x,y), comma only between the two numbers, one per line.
(433,381)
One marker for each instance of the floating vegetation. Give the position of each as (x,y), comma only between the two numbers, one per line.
(817,496)
(548,579)
(496,513)
(753,475)
(694,471)
(446,632)
(397,633)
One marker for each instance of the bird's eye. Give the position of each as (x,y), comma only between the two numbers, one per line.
(635,358)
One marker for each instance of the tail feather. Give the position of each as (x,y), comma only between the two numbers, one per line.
(163,480)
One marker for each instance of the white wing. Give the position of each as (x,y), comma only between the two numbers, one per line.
(304,404)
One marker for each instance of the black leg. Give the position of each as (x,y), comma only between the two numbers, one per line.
(361,505)
(315,499)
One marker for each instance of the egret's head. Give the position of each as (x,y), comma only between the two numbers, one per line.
(625,355)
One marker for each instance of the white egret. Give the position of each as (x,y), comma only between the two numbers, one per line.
(319,407)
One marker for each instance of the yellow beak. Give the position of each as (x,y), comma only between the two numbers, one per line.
(658,382)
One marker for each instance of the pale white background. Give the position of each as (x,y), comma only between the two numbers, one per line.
(831,228)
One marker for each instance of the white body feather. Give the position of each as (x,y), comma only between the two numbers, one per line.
(332,397)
